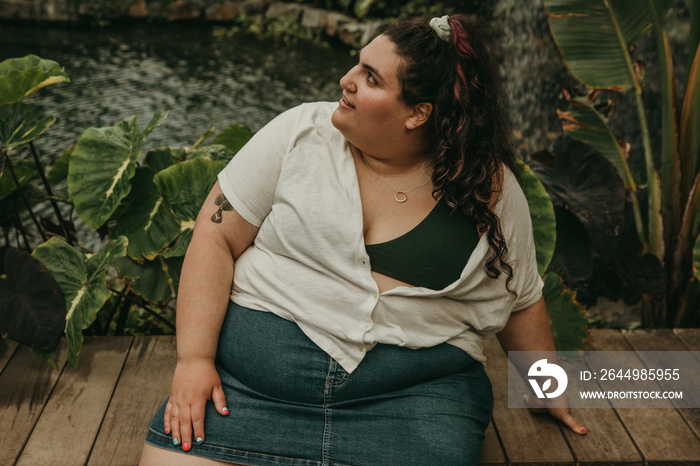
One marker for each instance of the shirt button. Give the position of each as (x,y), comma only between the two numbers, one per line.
(364,262)
(375,296)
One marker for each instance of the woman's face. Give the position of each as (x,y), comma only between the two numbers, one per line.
(370,114)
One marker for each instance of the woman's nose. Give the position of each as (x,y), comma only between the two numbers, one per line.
(346,82)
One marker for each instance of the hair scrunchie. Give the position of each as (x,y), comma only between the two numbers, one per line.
(441,27)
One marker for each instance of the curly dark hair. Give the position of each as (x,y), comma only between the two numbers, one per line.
(468,128)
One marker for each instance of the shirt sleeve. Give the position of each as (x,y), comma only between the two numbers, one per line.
(250,179)
(522,256)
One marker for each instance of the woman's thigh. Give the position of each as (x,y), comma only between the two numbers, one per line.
(156,456)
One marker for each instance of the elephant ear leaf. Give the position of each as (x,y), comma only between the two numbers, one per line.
(21,77)
(542,216)
(185,186)
(32,309)
(598,199)
(144,218)
(82,281)
(102,164)
(565,314)
(233,137)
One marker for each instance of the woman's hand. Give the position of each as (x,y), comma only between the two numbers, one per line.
(195,382)
(561,413)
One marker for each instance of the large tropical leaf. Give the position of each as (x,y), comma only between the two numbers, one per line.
(144,218)
(21,123)
(233,137)
(185,186)
(573,256)
(594,36)
(689,128)
(161,158)
(149,280)
(585,123)
(565,315)
(20,77)
(101,166)
(542,216)
(579,178)
(32,310)
(82,282)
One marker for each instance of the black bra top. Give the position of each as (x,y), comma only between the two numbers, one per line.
(431,255)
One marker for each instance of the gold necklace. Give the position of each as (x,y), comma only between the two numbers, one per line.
(400,196)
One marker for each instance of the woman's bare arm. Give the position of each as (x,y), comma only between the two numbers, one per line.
(220,235)
(529,330)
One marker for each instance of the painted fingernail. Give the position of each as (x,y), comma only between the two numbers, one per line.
(167,431)
(185,446)
(583,430)
(176,442)
(199,440)
(225,410)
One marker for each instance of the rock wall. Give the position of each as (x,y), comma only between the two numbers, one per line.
(334,24)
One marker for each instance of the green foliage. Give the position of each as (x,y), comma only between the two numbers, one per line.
(81,279)
(565,314)
(542,215)
(21,77)
(98,184)
(145,204)
(283,29)
(596,40)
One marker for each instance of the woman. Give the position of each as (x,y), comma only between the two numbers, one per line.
(375,242)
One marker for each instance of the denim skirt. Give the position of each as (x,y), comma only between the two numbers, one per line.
(291,404)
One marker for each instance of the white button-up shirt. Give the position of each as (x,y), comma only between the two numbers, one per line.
(296,180)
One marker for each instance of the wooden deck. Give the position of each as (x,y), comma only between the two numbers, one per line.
(99,413)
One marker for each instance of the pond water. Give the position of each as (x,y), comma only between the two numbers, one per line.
(201,80)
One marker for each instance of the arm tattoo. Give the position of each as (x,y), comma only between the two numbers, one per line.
(223,204)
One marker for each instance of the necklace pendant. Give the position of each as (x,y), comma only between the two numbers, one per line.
(400,196)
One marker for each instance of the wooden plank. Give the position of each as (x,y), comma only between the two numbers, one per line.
(607,441)
(690,337)
(7,349)
(660,434)
(527,438)
(142,387)
(668,340)
(25,386)
(72,417)
(491,449)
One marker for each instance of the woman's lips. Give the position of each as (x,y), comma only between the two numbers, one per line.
(346,104)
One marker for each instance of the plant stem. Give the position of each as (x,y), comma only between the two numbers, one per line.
(656,240)
(145,308)
(47,186)
(20,230)
(656,245)
(123,314)
(24,199)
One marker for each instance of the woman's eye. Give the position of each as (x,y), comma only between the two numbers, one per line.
(371,79)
